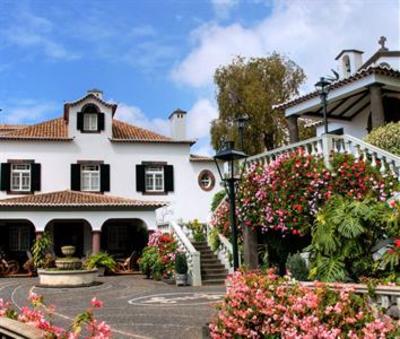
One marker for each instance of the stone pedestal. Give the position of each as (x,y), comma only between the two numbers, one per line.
(250,243)
(96,235)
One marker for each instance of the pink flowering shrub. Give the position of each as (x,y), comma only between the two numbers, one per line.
(158,257)
(286,194)
(266,306)
(220,219)
(39,315)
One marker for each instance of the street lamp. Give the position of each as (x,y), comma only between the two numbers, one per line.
(241,122)
(323,85)
(228,156)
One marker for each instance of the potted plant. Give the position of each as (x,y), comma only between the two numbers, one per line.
(181,269)
(101,261)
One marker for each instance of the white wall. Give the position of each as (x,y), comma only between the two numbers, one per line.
(188,200)
(356,127)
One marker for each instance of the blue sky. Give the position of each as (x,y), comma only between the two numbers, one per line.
(153,56)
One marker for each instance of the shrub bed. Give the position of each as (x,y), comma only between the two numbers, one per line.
(158,257)
(267,306)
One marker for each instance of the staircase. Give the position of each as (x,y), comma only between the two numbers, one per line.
(212,271)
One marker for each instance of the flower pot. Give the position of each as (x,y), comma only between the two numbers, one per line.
(180,279)
(101,271)
(68,251)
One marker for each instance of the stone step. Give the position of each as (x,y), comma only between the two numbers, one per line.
(206,251)
(212,269)
(214,276)
(208,256)
(210,261)
(213,281)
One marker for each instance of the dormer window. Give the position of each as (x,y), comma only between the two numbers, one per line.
(90,122)
(90,119)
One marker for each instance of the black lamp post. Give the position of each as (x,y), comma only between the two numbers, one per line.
(228,155)
(241,122)
(323,85)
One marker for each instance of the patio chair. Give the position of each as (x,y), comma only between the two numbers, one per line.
(125,265)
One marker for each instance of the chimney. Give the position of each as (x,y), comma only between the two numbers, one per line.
(177,120)
(97,92)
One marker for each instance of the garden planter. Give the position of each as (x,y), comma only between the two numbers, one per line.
(180,279)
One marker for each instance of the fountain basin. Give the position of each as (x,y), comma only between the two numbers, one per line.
(61,278)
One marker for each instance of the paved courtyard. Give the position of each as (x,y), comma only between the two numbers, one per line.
(133,306)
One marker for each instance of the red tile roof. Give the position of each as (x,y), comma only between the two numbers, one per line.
(379,70)
(76,199)
(9,128)
(200,158)
(57,130)
(124,131)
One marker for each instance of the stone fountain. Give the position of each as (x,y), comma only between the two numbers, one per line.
(68,272)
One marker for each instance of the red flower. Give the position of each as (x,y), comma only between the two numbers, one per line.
(397,243)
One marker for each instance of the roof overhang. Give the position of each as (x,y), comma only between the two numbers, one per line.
(347,100)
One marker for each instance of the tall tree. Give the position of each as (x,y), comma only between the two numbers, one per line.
(252,87)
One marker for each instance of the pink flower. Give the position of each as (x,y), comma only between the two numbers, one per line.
(96,303)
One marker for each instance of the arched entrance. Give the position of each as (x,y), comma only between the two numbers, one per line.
(75,232)
(123,238)
(16,239)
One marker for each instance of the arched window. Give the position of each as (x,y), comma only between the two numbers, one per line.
(90,119)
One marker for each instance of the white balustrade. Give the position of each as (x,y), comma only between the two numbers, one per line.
(192,255)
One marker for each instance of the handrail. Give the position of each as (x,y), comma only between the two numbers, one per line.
(192,255)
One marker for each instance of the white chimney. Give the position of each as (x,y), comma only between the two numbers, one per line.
(177,120)
(97,92)
(349,62)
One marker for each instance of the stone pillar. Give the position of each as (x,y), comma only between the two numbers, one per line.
(293,128)
(377,112)
(96,241)
(250,243)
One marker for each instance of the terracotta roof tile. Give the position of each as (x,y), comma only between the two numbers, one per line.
(76,199)
(124,131)
(8,128)
(380,70)
(55,129)
(200,158)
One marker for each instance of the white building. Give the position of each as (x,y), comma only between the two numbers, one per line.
(366,95)
(96,182)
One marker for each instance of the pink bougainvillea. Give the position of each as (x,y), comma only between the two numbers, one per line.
(285,194)
(39,315)
(263,305)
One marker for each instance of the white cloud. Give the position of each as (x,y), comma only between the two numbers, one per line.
(134,115)
(27,111)
(222,8)
(199,118)
(34,32)
(309,32)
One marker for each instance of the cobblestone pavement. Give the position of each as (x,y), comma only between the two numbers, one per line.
(134,307)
